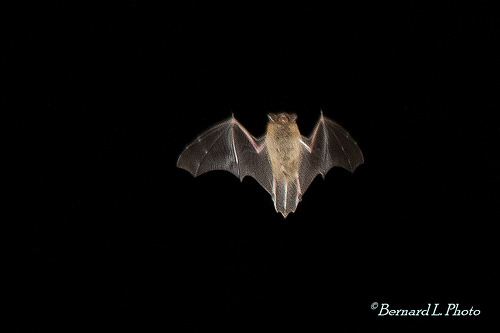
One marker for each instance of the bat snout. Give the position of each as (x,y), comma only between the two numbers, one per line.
(282,118)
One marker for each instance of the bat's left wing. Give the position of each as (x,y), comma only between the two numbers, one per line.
(328,146)
(229,146)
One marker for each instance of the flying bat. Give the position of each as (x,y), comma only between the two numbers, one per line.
(283,161)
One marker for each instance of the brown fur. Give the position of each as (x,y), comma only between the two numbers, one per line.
(283,144)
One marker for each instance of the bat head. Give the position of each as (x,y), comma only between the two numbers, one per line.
(282,118)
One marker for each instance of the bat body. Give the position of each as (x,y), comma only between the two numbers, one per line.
(284,162)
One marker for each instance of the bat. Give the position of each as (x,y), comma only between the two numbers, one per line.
(283,161)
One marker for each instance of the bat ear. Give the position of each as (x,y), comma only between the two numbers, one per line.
(272,117)
(293,117)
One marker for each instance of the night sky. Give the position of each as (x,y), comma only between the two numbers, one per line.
(106,232)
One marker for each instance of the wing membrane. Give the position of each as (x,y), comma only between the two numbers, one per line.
(328,146)
(228,146)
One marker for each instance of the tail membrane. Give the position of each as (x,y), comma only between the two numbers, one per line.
(286,196)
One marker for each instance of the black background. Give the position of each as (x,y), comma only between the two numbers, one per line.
(106,232)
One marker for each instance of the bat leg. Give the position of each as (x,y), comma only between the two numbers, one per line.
(299,191)
(274,194)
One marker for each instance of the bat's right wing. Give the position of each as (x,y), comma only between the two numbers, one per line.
(229,146)
(329,145)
